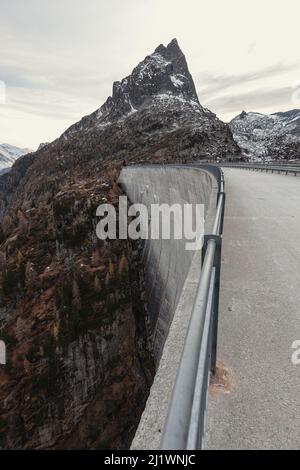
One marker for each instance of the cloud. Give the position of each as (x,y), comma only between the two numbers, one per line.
(210,84)
(59,88)
(253,101)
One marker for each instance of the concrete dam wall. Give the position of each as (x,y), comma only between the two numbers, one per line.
(172,278)
(167,262)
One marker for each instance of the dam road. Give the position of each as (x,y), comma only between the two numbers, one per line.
(259,320)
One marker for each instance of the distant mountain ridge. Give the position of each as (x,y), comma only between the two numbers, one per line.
(275,135)
(9,154)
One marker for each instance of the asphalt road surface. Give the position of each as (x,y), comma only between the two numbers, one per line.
(257,405)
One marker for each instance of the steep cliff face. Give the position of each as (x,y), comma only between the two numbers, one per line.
(10,180)
(72,310)
(74,323)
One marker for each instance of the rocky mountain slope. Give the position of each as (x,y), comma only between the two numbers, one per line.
(8,155)
(275,135)
(80,362)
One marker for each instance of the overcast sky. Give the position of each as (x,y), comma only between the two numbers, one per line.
(58,58)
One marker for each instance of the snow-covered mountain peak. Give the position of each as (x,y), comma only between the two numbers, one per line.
(275,135)
(9,154)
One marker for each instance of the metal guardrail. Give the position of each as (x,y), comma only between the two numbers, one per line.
(287,163)
(185,424)
(280,168)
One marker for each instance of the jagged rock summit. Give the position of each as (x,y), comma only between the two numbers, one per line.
(180,76)
(161,75)
(162,79)
(158,97)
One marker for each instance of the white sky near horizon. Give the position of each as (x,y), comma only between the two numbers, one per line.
(59,58)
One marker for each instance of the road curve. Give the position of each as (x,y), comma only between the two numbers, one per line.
(259,406)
